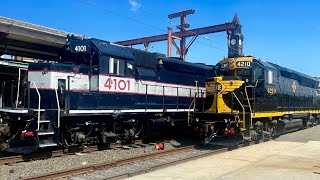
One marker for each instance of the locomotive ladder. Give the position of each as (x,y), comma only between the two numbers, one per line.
(246,105)
(45,129)
(192,107)
(248,100)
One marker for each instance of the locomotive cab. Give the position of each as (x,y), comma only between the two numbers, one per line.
(229,75)
(229,99)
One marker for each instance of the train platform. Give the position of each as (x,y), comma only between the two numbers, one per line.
(291,156)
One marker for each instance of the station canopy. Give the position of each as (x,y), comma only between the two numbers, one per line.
(23,39)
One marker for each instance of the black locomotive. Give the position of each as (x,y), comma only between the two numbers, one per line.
(254,99)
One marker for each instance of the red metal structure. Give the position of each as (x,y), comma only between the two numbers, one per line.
(182,27)
(183,33)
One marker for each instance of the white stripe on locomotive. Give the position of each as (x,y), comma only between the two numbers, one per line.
(109,111)
(80,82)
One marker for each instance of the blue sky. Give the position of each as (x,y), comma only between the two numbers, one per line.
(285,32)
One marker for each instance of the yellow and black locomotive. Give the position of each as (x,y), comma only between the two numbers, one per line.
(253,99)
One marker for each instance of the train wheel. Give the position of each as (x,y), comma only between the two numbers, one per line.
(67,139)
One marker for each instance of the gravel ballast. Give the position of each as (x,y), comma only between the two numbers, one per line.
(38,167)
(311,134)
(138,166)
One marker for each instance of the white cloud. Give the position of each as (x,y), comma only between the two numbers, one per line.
(134,5)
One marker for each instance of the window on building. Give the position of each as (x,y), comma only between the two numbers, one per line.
(270,77)
(117,66)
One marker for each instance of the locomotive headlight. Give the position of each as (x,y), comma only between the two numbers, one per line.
(197,119)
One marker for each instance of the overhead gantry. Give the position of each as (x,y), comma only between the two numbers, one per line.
(183,33)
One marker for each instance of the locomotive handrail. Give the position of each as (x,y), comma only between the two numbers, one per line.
(245,89)
(177,87)
(58,104)
(18,87)
(164,86)
(189,110)
(177,98)
(193,102)
(163,97)
(243,109)
(146,98)
(39,102)
(2,95)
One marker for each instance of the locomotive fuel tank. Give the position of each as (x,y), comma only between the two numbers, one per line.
(285,125)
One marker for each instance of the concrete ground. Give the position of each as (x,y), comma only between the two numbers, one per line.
(280,159)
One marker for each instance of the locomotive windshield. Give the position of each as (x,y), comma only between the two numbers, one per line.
(238,72)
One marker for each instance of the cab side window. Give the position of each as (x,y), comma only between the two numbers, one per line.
(259,74)
(117,66)
(269,77)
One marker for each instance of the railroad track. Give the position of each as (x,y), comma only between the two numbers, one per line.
(11,159)
(110,164)
(172,163)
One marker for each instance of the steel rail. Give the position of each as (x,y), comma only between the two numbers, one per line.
(161,166)
(105,165)
(180,161)
(61,152)
(28,157)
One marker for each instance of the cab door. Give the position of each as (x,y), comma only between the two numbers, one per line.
(62,87)
(270,101)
